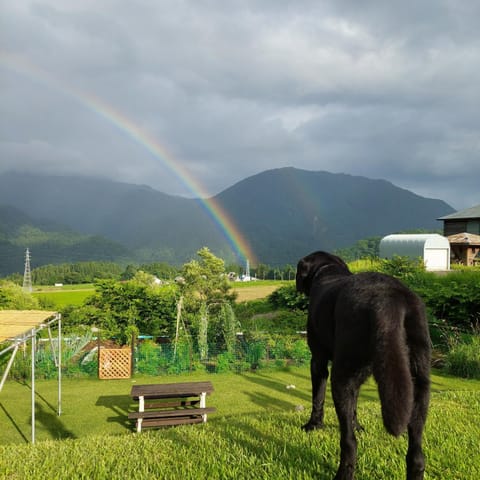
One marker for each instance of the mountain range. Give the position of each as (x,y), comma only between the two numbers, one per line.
(282,213)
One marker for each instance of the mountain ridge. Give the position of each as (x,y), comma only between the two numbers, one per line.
(284,213)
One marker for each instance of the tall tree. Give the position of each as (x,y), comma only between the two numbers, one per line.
(206,291)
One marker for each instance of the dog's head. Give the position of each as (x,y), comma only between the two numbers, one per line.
(315,264)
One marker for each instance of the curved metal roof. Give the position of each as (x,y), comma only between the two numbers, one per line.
(411,245)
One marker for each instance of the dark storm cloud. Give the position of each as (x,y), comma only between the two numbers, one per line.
(229,89)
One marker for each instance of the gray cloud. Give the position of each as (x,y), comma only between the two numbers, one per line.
(222,90)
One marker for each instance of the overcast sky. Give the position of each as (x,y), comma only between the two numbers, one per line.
(221,90)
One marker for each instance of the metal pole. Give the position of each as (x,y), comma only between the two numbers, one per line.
(59,364)
(9,366)
(33,384)
(54,354)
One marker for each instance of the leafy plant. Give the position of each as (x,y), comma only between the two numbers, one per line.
(13,297)
(287,297)
(463,359)
(401,267)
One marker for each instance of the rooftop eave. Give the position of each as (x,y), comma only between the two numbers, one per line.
(472,213)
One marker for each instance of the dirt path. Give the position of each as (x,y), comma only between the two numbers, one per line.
(254,292)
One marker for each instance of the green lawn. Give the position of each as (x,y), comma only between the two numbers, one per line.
(59,297)
(255,433)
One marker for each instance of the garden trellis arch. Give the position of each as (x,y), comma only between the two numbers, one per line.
(17,327)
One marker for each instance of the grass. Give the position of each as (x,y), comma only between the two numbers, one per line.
(255,433)
(247,291)
(63,288)
(59,297)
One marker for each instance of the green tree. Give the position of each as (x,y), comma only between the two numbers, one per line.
(80,272)
(205,279)
(261,271)
(163,271)
(365,248)
(289,272)
(116,307)
(13,297)
(144,278)
(129,272)
(206,291)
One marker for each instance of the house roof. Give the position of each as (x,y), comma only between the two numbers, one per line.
(472,212)
(464,239)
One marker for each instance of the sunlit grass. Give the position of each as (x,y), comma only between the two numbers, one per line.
(255,433)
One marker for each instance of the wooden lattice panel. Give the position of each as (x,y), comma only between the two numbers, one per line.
(114,363)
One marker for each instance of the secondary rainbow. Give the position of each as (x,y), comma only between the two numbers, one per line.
(235,238)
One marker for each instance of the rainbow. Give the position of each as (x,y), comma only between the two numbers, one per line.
(237,241)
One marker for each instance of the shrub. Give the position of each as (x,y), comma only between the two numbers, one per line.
(225,362)
(463,359)
(287,297)
(255,352)
(147,358)
(401,267)
(300,352)
(13,297)
(454,297)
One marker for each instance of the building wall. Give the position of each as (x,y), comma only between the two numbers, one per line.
(451,227)
(473,226)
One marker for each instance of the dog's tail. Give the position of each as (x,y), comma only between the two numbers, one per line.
(391,369)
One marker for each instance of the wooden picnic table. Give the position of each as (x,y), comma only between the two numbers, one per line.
(170,404)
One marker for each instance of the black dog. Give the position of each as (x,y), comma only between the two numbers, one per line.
(366,323)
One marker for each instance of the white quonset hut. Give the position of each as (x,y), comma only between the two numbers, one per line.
(432,248)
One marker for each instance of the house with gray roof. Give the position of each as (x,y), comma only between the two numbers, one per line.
(463,232)
(467,221)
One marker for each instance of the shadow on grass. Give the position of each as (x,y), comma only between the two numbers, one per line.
(368,390)
(52,423)
(121,406)
(266,382)
(51,407)
(14,423)
(45,413)
(288,456)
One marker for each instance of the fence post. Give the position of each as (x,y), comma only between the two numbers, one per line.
(190,352)
(132,358)
(98,353)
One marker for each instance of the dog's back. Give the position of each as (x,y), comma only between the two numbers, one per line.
(381,325)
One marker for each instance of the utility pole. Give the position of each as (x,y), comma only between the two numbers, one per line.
(27,275)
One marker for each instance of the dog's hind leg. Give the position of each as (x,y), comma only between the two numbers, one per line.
(319,376)
(360,378)
(345,394)
(415,457)
(419,359)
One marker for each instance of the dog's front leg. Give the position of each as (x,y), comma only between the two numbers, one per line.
(319,376)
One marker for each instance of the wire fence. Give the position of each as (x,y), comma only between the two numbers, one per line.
(150,358)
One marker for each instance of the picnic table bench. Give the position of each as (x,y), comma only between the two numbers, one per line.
(170,404)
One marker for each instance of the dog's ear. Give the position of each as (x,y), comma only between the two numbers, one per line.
(309,266)
(303,277)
